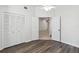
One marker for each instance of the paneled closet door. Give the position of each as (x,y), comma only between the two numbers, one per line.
(19,28)
(35,28)
(5,30)
(12,30)
(1,31)
(16,28)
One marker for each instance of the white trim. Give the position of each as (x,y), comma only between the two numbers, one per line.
(71,44)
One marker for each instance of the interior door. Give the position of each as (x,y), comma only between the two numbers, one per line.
(56,28)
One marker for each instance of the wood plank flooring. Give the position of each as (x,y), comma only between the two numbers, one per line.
(41,46)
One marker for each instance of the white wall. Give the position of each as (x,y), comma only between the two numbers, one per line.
(70,24)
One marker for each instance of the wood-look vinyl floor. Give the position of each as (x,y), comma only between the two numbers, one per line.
(41,46)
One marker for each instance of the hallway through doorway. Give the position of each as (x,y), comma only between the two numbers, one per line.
(44,28)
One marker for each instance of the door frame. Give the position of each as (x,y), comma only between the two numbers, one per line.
(49,18)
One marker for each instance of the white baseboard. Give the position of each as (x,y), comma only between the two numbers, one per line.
(71,44)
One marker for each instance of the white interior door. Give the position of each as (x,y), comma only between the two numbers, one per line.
(56,28)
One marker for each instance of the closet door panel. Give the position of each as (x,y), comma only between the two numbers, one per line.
(12,30)
(5,25)
(35,28)
(1,16)
(16,26)
(19,29)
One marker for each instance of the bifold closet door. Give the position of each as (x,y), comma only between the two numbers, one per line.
(11,29)
(1,31)
(19,28)
(35,28)
(16,29)
(8,27)
(5,30)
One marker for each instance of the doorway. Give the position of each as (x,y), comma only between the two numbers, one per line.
(44,28)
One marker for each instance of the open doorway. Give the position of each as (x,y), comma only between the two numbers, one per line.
(44,28)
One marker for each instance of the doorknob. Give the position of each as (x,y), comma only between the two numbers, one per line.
(50,35)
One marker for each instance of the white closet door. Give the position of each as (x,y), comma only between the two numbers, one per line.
(35,28)
(1,31)
(16,26)
(19,29)
(28,28)
(12,30)
(5,31)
